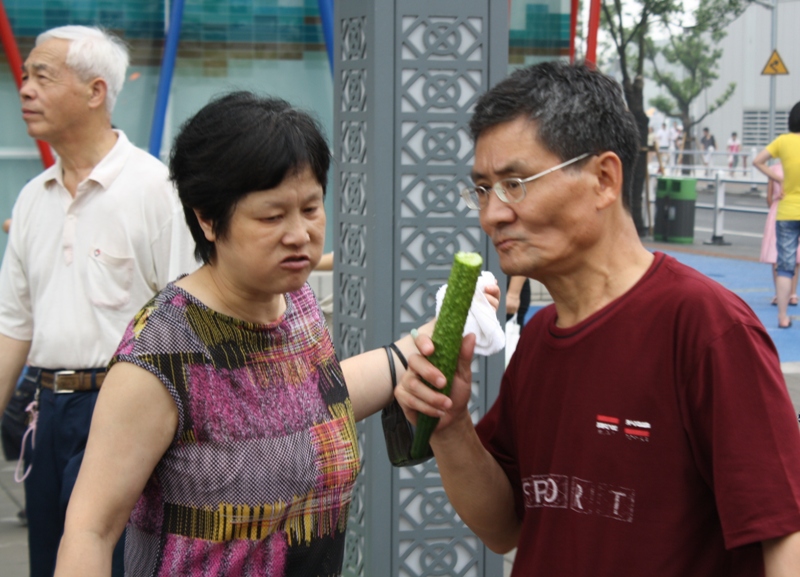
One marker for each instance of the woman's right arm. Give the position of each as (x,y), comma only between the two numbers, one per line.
(133,424)
(368,378)
(760,162)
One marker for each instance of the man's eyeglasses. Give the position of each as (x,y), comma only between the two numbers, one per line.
(509,190)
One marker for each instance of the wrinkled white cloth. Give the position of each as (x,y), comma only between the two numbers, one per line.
(482,318)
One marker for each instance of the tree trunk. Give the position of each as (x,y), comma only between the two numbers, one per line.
(688,142)
(634,96)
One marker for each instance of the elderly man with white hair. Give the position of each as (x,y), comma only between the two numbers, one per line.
(95,236)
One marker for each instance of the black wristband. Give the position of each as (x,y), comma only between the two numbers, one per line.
(392,370)
(400,356)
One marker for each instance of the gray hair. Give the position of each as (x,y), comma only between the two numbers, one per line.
(93,53)
(575,108)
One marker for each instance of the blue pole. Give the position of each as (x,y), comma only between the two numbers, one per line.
(165,77)
(326,15)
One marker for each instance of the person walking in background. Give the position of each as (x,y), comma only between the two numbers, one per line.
(93,238)
(666,144)
(643,425)
(733,147)
(769,249)
(785,148)
(652,144)
(677,145)
(663,137)
(709,145)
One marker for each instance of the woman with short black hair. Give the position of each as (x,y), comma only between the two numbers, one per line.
(225,429)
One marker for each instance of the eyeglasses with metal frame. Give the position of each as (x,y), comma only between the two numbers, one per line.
(509,190)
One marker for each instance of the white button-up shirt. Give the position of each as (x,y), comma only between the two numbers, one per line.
(76,270)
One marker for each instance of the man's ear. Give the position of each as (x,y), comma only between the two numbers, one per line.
(98,92)
(608,169)
(207,226)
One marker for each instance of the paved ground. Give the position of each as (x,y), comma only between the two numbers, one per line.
(13,536)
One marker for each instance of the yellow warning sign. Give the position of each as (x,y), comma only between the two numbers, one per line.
(775,65)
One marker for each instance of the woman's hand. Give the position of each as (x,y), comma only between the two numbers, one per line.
(492,293)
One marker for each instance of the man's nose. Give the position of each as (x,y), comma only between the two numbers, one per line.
(496,211)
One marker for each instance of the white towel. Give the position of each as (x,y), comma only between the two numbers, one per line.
(482,318)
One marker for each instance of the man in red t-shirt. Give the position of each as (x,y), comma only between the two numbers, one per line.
(643,425)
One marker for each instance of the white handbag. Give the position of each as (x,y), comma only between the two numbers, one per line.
(512,337)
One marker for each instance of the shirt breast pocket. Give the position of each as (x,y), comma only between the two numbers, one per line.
(109,279)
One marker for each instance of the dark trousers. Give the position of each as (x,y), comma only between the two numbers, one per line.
(61,433)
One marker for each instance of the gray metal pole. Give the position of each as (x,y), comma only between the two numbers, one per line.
(717,237)
(772,78)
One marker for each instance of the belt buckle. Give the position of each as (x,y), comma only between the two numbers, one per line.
(57,374)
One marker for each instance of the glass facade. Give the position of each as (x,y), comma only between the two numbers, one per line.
(272,47)
(538,31)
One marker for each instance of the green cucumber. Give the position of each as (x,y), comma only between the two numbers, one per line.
(447,336)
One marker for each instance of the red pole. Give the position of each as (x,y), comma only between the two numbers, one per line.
(591,41)
(15,62)
(573,29)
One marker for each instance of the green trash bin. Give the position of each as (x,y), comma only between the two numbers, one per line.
(682,198)
(662,209)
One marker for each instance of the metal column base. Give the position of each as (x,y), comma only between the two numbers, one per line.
(717,240)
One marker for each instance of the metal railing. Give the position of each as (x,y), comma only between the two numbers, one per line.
(18,153)
(720,207)
(670,163)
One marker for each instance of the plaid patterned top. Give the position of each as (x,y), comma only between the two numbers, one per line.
(258,480)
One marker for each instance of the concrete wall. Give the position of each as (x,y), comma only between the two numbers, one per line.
(746,50)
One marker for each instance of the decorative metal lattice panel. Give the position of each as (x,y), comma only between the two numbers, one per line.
(356,534)
(351,222)
(441,69)
(407,76)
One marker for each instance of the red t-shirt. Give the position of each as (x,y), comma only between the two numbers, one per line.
(654,438)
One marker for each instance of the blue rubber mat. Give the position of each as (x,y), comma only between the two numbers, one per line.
(752,281)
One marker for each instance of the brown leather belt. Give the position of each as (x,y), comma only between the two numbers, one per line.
(72,381)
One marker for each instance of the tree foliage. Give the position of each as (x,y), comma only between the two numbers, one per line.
(692,60)
(628,24)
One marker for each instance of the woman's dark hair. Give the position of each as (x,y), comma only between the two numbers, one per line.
(237,144)
(794,118)
(574,108)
